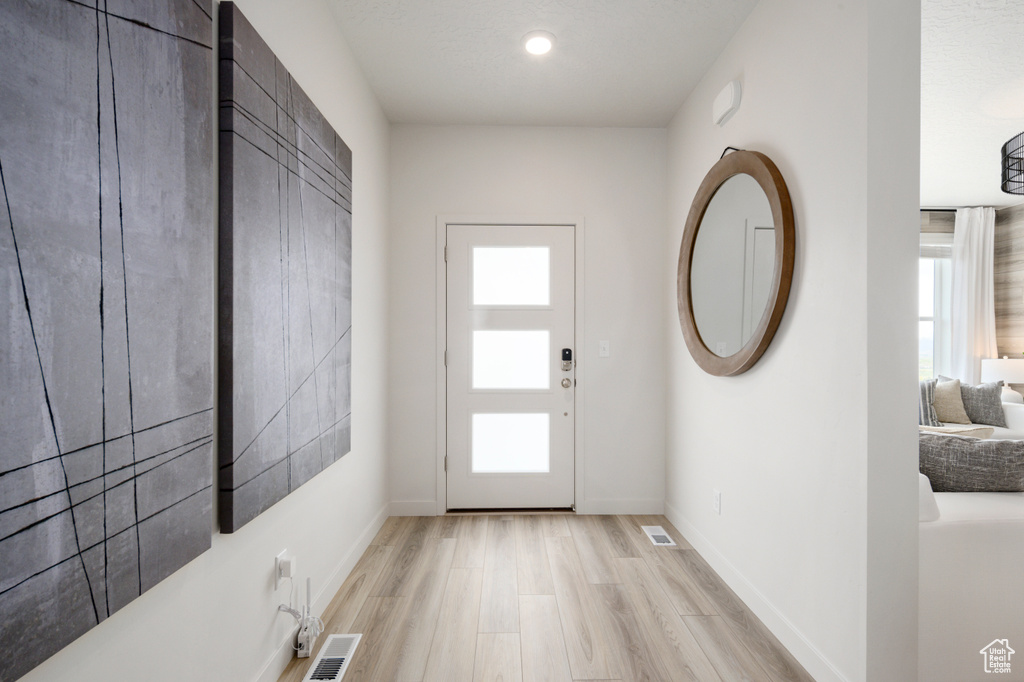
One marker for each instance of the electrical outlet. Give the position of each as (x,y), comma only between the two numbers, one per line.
(284,567)
(718,502)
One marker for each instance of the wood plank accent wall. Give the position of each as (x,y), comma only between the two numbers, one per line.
(1009,280)
(937,221)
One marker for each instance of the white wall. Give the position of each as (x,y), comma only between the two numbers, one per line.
(217,618)
(613,178)
(818,529)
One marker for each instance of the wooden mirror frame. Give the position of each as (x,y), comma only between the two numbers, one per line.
(767,175)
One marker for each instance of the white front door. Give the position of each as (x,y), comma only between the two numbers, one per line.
(510,401)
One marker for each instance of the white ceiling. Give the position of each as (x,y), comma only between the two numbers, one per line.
(633,62)
(972,98)
(615,62)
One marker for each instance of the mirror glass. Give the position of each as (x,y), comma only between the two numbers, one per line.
(733,265)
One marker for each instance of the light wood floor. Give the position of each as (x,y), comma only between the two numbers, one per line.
(553,597)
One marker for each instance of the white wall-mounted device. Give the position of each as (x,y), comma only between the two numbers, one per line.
(284,567)
(727,103)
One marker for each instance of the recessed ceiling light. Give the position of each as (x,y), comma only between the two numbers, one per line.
(538,42)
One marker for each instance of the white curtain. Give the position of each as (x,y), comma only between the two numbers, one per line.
(973,308)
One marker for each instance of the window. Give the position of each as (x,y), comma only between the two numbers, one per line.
(935,276)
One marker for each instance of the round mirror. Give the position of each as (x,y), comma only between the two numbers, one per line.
(735,263)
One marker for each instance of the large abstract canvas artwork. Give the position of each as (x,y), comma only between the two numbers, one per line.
(106,335)
(285,281)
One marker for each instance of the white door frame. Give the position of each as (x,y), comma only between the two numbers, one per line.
(441,327)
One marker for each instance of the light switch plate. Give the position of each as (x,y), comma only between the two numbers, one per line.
(604,349)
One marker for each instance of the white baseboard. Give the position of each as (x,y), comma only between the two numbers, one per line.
(414,508)
(802,649)
(621,506)
(601,506)
(279,660)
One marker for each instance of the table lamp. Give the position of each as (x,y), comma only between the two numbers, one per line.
(1009,370)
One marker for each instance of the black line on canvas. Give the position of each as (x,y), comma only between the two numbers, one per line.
(284,460)
(34,500)
(284,249)
(196,443)
(108,441)
(176,503)
(282,140)
(291,117)
(103,365)
(48,568)
(42,379)
(155,426)
(260,432)
(59,563)
(124,275)
(78,555)
(274,100)
(28,310)
(288,400)
(203,10)
(309,307)
(139,23)
(328,175)
(287,109)
(202,440)
(297,450)
(207,441)
(39,522)
(301,157)
(116,470)
(289,170)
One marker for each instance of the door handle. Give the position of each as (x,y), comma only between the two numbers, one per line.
(566,382)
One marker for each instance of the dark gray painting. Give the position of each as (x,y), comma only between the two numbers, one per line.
(106,236)
(286,281)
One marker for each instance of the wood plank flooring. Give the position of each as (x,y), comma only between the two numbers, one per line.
(544,598)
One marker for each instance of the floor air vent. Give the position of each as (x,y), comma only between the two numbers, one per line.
(332,661)
(658,536)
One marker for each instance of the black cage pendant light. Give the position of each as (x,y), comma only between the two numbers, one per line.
(1013,165)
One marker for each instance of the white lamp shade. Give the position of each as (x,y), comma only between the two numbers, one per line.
(1007,370)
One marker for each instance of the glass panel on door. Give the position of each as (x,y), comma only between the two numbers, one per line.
(511,275)
(511,443)
(511,359)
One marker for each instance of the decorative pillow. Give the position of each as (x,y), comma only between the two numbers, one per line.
(949,404)
(984,403)
(970,430)
(957,464)
(925,410)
